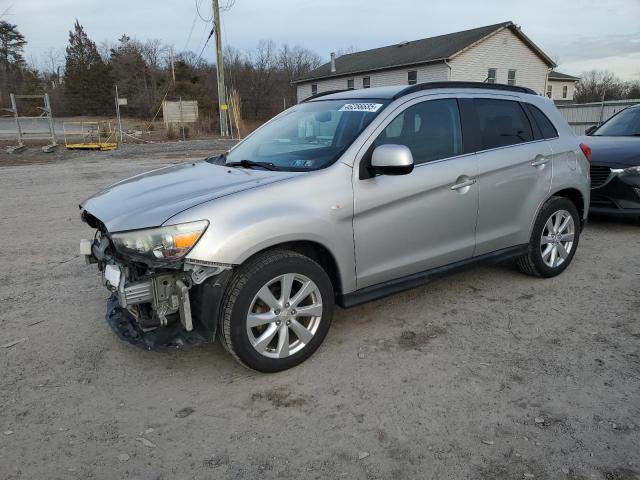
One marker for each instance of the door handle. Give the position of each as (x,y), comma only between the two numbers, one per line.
(467,183)
(540,160)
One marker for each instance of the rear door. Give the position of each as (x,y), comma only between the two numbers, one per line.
(514,172)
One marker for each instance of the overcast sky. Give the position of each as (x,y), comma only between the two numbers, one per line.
(580,34)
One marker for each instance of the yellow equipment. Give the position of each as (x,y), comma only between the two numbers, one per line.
(89,135)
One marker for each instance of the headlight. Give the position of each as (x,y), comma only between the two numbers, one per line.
(633,170)
(168,243)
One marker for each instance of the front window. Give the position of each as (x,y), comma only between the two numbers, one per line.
(314,89)
(492,73)
(350,84)
(412,77)
(511,77)
(309,136)
(366,82)
(549,91)
(565,90)
(431,130)
(624,124)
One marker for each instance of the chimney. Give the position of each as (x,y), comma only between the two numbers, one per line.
(333,62)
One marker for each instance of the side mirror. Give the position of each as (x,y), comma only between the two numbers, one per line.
(590,130)
(392,160)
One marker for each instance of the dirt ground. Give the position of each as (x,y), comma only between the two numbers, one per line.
(486,374)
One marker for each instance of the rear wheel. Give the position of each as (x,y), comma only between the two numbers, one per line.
(277,311)
(554,239)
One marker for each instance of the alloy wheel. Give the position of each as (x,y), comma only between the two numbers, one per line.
(284,315)
(557,238)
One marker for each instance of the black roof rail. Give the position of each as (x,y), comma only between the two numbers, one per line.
(322,94)
(485,86)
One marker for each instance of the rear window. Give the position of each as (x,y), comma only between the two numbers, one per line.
(547,130)
(501,123)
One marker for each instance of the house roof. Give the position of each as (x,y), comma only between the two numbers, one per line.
(427,50)
(553,75)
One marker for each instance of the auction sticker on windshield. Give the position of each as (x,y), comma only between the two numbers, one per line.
(361,107)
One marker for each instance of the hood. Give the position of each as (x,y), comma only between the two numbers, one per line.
(614,151)
(150,199)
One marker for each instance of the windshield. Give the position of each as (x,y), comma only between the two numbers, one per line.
(624,124)
(306,137)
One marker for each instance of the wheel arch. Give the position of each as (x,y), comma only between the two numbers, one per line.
(315,251)
(576,197)
(572,194)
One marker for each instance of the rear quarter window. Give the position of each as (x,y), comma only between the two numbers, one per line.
(501,123)
(545,126)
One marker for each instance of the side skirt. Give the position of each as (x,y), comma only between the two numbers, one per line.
(397,285)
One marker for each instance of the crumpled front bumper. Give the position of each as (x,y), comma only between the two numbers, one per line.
(125,325)
(159,308)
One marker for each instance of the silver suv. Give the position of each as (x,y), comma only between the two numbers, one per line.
(344,198)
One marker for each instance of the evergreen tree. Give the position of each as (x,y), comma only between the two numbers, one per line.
(12,43)
(131,73)
(87,84)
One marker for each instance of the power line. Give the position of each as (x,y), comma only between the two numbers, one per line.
(207,20)
(205,44)
(228,6)
(193,25)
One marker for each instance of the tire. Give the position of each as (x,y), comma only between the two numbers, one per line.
(246,300)
(538,262)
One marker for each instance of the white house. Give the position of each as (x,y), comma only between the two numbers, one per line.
(561,87)
(499,53)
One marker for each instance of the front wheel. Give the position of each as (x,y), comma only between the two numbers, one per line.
(277,311)
(554,239)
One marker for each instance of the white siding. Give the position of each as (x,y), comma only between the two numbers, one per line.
(427,73)
(503,51)
(556,92)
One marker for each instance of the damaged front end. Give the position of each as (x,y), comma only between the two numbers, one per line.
(158,299)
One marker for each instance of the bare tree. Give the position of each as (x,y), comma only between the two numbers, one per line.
(346,51)
(155,53)
(52,61)
(599,85)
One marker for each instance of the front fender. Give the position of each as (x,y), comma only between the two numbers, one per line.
(315,207)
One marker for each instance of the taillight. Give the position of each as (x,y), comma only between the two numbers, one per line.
(586,149)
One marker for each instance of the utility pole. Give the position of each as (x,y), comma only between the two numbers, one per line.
(118,115)
(222,96)
(173,69)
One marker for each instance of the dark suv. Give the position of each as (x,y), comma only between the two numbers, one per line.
(615,170)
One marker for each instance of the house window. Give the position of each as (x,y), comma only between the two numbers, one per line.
(549,91)
(491,75)
(314,89)
(350,84)
(565,91)
(511,77)
(412,77)
(366,82)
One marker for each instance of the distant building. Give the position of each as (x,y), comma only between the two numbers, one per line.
(499,53)
(561,87)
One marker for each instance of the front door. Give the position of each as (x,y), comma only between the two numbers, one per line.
(410,223)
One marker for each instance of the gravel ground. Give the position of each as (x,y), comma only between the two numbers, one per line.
(486,374)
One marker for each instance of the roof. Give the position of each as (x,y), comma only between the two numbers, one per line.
(397,91)
(553,75)
(376,93)
(427,50)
